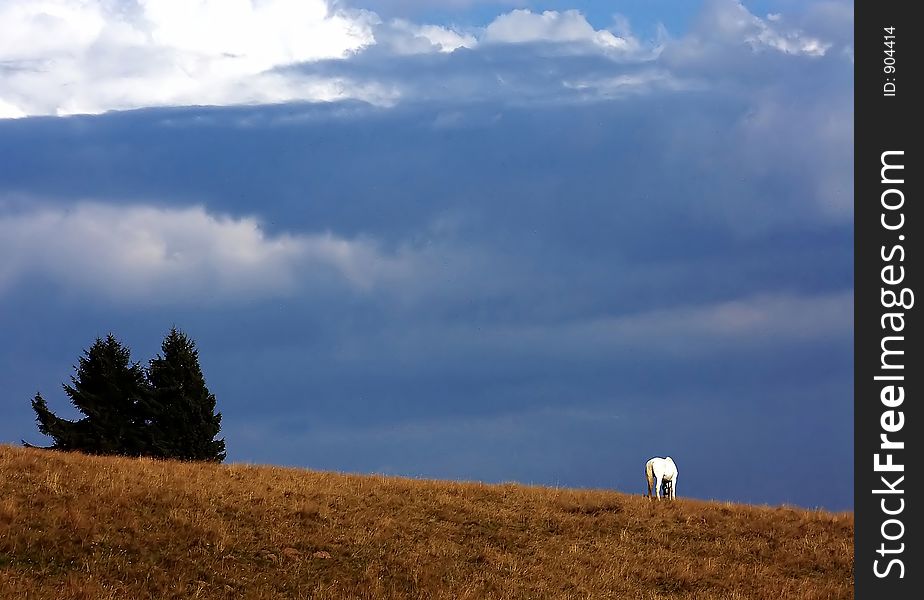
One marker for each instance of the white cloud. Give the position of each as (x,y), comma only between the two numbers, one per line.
(10,111)
(523,25)
(405,37)
(726,25)
(156,255)
(789,42)
(518,26)
(73,56)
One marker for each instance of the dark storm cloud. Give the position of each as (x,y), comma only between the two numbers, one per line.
(499,277)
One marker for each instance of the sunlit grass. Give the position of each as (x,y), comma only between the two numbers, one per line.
(73,526)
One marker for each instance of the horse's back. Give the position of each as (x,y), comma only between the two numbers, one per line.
(654,466)
(661,467)
(670,468)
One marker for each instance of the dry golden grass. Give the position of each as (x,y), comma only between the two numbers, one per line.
(73,526)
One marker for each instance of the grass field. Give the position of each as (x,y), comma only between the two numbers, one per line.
(74,526)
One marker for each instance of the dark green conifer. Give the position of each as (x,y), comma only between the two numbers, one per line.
(112,394)
(184,422)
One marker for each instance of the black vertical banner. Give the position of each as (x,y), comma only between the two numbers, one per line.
(887,273)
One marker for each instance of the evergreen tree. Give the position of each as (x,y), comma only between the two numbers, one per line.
(112,393)
(184,422)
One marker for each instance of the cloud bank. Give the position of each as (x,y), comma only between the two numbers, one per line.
(158,255)
(63,57)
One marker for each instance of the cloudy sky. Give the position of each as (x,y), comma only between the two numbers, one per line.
(500,240)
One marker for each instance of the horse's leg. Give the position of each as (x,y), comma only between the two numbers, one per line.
(658,486)
(674,487)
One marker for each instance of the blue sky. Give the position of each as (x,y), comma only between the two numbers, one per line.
(491,240)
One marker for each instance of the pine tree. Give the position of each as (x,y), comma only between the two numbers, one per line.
(184,423)
(112,393)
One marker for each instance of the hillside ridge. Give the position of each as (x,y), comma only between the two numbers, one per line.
(76,526)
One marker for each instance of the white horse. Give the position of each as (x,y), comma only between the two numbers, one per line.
(659,471)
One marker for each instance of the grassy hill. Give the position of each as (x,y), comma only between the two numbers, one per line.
(73,526)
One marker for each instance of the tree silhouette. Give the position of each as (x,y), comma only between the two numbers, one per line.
(166,411)
(184,422)
(112,393)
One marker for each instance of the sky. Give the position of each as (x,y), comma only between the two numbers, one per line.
(493,240)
